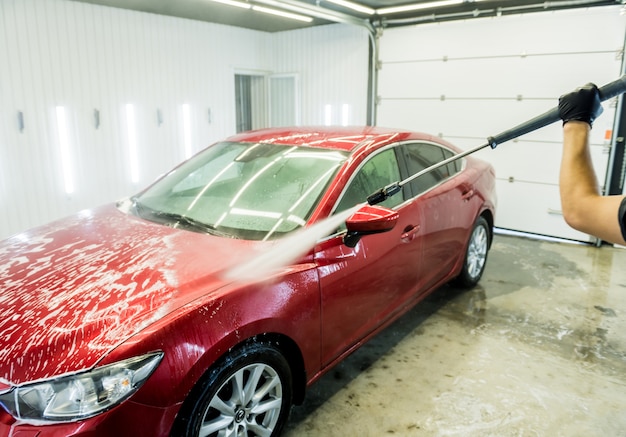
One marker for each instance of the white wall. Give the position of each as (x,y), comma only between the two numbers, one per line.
(85,57)
(333,70)
(468,80)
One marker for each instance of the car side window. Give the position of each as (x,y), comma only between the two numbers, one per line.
(380,171)
(422,155)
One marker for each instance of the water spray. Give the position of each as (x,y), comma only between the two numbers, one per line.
(288,249)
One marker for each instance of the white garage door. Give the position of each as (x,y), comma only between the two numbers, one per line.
(468,80)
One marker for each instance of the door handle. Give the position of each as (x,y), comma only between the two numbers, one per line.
(409,233)
(467,194)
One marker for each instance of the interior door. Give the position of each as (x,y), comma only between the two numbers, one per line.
(364,286)
(283,100)
(250,102)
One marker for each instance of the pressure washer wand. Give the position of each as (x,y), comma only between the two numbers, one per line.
(606,92)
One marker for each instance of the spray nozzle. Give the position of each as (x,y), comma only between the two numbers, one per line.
(384,193)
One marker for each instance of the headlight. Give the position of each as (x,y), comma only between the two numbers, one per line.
(80,395)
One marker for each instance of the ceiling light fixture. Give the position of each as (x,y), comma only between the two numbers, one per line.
(265,10)
(417,6)
(354,6)
(234,3)
(282,13)
(315,11)
(318,12)
(284,5)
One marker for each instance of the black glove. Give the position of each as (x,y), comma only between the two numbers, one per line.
(582,104)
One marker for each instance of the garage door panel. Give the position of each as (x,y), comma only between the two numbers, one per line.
(469,123)
(463,118)
(535,161)
(533,77)
(539,205)
(468,80)
(506,35)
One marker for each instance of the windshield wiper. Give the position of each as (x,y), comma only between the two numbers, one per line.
(173,219)
(185,220)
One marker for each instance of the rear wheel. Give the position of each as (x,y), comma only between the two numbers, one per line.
(247,394)
(475,255)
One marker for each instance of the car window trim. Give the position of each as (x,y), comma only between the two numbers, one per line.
(432,143)
(404,173)
(352,176)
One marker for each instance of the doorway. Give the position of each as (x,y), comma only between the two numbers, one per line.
(259,105)
(250,102)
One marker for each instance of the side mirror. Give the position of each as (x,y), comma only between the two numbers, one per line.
(370,219)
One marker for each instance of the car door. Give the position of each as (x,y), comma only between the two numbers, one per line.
(362,287)
(445,197)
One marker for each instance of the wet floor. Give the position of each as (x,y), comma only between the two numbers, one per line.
(537,349)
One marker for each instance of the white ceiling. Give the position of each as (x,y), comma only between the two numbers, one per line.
(211,11)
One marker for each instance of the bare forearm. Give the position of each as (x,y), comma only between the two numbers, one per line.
(577,179)
(583,206)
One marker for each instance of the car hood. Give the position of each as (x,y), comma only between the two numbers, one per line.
(73,290)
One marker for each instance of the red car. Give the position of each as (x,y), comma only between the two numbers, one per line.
(126,320)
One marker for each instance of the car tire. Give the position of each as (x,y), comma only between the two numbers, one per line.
(249,392)
(475,255)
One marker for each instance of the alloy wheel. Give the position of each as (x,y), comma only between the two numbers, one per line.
(477,251)
(248,403)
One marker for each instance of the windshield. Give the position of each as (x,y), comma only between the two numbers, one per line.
(242,190)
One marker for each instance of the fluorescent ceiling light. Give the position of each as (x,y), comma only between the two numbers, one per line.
(303,11)
(64,146)
(354,6)
(234,3)
(131,133)
(282,13)
(345,114)
(187,130)
(314,12)
(417,6)
(244,5)
(328,115)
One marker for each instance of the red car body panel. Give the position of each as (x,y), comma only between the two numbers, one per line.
(104,285)
(337,138)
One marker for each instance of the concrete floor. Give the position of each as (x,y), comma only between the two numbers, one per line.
(537,349)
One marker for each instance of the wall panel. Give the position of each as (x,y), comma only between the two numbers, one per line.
(90,58)
(333,65)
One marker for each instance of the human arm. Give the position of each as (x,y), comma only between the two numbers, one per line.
(584,208)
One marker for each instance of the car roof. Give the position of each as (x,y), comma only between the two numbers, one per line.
(336,138)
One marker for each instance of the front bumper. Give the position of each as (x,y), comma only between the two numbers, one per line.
(127,419)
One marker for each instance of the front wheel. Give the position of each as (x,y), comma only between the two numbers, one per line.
(475,255)
(247,394)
